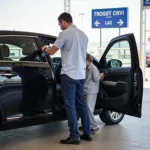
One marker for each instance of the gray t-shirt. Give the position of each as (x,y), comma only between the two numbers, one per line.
(73,44)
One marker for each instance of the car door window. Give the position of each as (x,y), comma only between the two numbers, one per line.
(119,52)
(17,48)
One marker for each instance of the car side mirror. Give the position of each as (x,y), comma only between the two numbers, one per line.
(114,63)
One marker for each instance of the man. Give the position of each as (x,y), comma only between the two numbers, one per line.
(73,44)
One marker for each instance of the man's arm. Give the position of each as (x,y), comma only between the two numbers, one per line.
(51,51)
(59,43)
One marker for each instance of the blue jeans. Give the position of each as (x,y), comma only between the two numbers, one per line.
(73,93)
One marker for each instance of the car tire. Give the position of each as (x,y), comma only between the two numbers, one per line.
(111,118)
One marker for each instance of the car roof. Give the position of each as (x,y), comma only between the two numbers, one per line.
(7,32)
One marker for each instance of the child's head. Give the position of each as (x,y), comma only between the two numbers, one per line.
(89,59)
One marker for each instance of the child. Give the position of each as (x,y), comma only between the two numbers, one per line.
(91,88)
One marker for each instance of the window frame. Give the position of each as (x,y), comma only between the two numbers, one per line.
(120,59)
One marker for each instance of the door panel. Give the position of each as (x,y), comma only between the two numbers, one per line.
(117,74)
(10,91)
(33,85)
(118,90)
(115,81)
(26,80)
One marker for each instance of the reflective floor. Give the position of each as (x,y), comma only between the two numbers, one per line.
(131,134)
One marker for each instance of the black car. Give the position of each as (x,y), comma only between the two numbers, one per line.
(30,90)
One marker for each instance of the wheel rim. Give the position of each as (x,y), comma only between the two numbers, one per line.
(115,115)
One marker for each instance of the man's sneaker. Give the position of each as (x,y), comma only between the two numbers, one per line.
(71,140)
(86,137)
(93,131)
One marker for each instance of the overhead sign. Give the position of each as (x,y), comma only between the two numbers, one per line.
(146,2)
(110,18)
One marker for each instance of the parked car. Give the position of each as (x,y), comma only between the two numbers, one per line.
(148,59)
(30,90)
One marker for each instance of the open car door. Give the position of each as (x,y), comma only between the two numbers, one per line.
(121,90)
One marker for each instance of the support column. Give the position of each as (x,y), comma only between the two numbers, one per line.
(67,6)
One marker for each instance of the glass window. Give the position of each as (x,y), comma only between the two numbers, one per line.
(17,48)
(120,51)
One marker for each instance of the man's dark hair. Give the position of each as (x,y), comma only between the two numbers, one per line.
(66,17)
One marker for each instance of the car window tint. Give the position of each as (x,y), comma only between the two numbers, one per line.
(120,51)
(18,48)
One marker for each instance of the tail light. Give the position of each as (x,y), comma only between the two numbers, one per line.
(147,57)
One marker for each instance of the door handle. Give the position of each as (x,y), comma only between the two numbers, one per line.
(108,71)
(8,74)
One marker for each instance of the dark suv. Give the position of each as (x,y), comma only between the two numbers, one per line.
(30,90)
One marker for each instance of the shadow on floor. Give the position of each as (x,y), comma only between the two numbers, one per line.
(23,135)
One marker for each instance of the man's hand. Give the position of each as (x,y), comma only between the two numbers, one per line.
(102,75)
(43,48)
(50,50)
